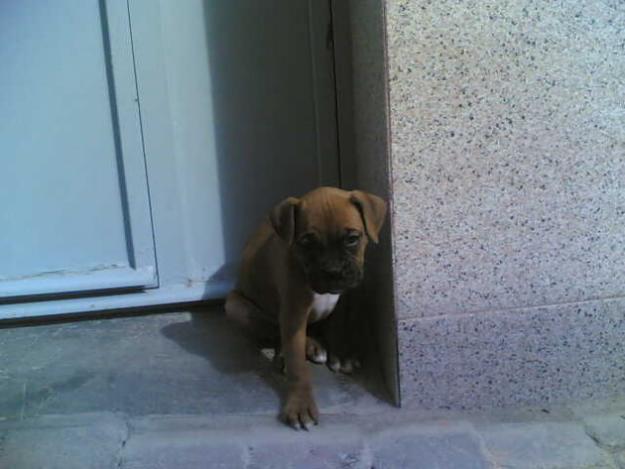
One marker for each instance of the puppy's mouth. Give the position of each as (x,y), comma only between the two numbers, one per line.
(334,281)
(331,291)
(333,286)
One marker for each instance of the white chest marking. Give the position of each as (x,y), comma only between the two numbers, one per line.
(323,305)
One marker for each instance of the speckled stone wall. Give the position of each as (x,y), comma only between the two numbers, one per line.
(507,123)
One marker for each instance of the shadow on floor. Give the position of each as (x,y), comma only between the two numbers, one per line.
(186,362)
(229,351)
(211,336)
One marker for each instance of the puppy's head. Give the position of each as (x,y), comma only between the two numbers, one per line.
(327,231)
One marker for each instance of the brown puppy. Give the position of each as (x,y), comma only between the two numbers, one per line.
(294,268)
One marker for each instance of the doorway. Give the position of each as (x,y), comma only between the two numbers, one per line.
(142,140)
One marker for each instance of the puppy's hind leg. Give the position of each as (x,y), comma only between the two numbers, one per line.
(316,350)
(251,320)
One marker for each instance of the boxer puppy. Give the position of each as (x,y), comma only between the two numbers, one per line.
(296,265)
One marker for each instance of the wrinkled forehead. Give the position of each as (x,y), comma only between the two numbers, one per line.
(332,216)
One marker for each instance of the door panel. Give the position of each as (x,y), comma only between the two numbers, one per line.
(74,207)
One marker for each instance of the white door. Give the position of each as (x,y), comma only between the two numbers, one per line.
(133,131)
(74,209)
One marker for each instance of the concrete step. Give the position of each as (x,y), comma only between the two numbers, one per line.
(392,439)
(183,390)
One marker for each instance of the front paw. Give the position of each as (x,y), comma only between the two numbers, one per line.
(300,409)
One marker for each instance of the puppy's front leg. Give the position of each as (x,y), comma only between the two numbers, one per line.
(300,409)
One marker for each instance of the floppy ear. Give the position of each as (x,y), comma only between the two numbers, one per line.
(372,210)
(282,218)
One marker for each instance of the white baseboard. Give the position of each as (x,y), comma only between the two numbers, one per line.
(85,305)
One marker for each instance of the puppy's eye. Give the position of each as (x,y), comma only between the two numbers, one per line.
(307,240)
(351,240)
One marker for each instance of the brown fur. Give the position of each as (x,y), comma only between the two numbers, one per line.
(306,245)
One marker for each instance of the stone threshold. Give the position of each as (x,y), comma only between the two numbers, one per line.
(588,438)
